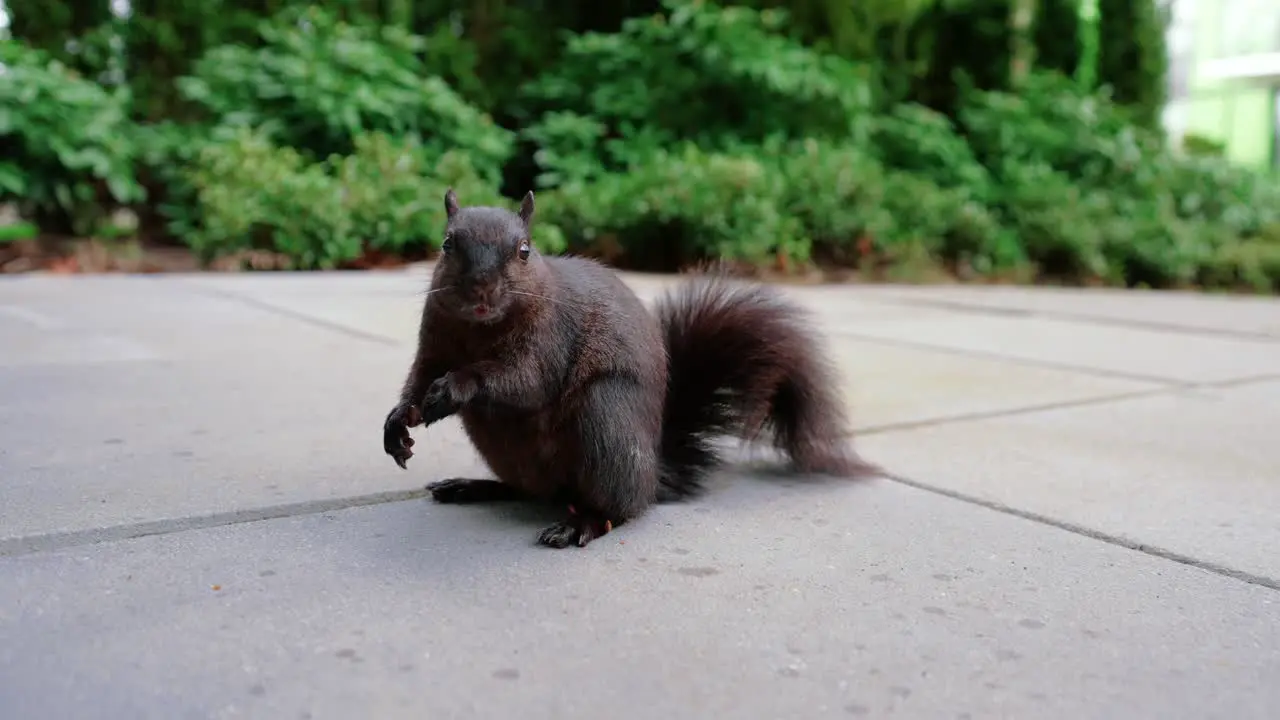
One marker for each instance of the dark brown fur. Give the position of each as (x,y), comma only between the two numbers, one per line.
(571,390)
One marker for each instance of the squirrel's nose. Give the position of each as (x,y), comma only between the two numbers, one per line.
(486,293)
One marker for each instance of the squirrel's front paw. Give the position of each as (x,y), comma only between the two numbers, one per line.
(395,432)
(445,396)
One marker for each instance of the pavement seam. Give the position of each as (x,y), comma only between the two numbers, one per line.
(1091,533)
(981,415)
(1010,412)
(1241,382)
(1059,405)
(1029,362)
(291,314)
(15,547)
(32,544)
(12,547)
(916,345)
(1083,318)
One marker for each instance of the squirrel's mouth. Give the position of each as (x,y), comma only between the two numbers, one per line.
(479,311)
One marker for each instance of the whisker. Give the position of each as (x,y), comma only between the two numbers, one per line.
(548,298)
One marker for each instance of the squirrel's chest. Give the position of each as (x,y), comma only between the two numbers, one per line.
(524,449)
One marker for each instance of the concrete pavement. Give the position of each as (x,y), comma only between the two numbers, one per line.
(197,520)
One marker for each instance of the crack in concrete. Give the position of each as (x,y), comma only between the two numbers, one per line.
(1060,405)
(1009,412)
(58,541)
(1092,533)
(1082,318)
(832,331)
(1016,360)
(384,340)
(30,544)
(292,314)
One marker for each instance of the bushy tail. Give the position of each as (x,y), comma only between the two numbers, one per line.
(743,362)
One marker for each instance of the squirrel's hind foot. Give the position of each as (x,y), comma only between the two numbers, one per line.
(579,529)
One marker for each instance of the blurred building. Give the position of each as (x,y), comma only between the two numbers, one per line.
(1225,76)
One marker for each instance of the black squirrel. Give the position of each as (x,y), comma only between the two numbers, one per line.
(571,390)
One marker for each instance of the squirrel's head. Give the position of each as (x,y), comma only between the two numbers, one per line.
(487,262)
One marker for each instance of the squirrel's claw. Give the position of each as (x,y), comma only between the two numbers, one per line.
(579,529)
(395,434)
(402,455)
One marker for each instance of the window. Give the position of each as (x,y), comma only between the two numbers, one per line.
(1248,27)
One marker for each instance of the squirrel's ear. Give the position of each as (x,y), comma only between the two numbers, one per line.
(526,207)
(450,202)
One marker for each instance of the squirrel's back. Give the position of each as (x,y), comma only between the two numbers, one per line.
(611,329)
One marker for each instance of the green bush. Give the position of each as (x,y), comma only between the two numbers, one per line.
(1211,189)
(252,194)
(679,206)
(387,195)
(857,209)
(66,154)
(17,232)
(1203,146)
(316,83)
(332,136)
(166,153)
(915,139)
(1093,196)
(698,73)
(1252,263)
(838,194)
(1071,233)
(1051,122)
(669,132)
(637,164)
(796,201)
(947,225)
(1051,177)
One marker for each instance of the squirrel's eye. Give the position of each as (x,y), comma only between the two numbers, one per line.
(447,245)
(524,251)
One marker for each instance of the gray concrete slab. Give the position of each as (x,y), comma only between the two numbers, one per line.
(761,600)
(886,385)
(103,446)
(889,386)
(1139,353)
(1144,352)
(133,400)
(1193,473)
(35,338)
(389,303)
(155,317)
(138,400)
(192,407)
(1186,310)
